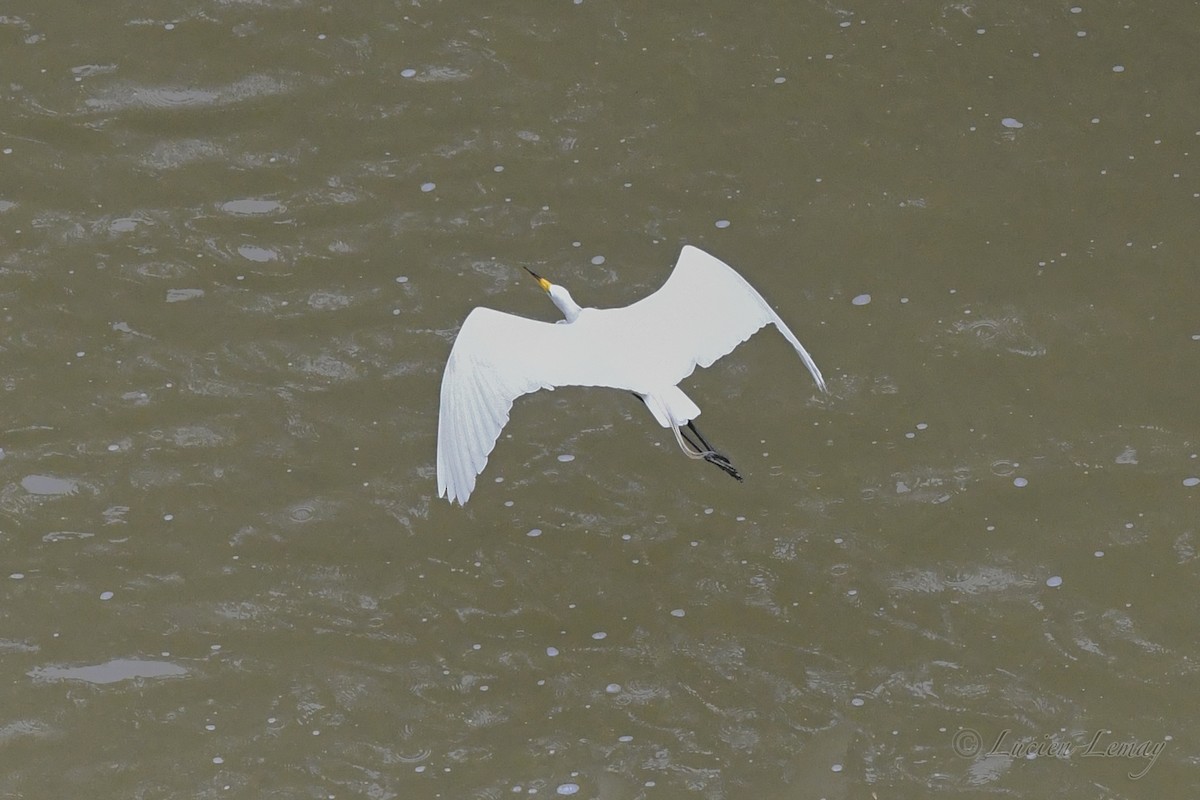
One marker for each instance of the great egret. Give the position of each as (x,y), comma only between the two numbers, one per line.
(703,311)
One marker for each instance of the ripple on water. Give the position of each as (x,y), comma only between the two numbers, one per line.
(328,301)
(316,509)
(173,154)
(183,295)
(118,97)
(66,536)
(978,580)
(1003,468)
(48,485)
(1006,332)
(121,669)
(251,206)
(928,485)
(259,255)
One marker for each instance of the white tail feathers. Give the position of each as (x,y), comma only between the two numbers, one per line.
(671,407)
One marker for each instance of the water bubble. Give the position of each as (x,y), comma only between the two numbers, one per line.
(1190,482)
(678,612)
(1009,122)
(106,595)
(598,260)
(1118,68)
(407,73)
(1054,581)
(428,186)
(534,533)
(1099,554)
(552,651)
(613,688)
(780,79)
(565,457)
(722,223)
(1020,482)
(858,701)
(861,300)
(598,635)
(567,788)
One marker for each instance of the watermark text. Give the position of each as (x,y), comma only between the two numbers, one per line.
(969,743)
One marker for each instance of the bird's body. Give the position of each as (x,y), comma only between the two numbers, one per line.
(703,311)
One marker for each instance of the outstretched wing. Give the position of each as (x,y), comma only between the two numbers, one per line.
(703,311)
(496,358)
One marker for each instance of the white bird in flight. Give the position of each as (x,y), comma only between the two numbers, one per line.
(703,311)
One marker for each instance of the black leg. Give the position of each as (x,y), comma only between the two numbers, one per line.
(707,447)
(695,446)
(704,448)
(712,456)
(692,427)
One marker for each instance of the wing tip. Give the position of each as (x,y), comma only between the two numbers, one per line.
(453,497)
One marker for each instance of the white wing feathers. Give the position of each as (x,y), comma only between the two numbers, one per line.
(496,358)
(701,313)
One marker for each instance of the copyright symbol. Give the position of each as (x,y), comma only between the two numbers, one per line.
(967,742)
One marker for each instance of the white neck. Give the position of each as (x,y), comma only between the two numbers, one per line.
(562,298)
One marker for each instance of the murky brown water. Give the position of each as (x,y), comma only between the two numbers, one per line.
(236,241)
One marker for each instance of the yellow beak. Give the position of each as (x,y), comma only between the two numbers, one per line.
(545,284)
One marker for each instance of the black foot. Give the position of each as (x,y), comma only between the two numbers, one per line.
(722,463)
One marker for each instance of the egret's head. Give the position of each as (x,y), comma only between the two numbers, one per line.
(545,284)
(559,296)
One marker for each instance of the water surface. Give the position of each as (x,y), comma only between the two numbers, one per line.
(238,240)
